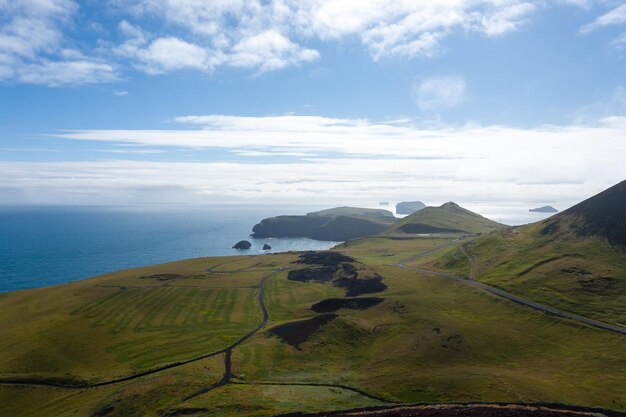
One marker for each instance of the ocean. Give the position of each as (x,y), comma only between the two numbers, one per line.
(42,246)
(45,246)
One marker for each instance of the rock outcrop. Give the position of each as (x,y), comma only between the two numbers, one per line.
(242,244)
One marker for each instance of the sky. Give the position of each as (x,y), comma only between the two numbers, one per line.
(174,102)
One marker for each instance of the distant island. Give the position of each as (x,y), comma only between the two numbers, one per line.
(347,223)
(409,207)
(336,224)
(544,209)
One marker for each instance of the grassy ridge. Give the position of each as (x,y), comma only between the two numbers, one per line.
(586,276)
(448,218)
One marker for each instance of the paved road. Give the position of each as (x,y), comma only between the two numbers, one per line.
(546,309)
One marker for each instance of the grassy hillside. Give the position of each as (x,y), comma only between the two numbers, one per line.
(384,215)
(129,322)
(425,339)
(575,260)
(448,218)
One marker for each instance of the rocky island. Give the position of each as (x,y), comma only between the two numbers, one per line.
(544,209)
(242,244)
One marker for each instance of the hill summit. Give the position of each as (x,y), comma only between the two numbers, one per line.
(447,218)
(602,215)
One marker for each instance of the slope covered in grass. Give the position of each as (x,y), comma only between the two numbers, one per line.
(447,218)
(425,339)
(575,260)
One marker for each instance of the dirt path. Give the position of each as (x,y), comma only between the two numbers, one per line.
(313,384)
(540,307)
(226,351)
(472,262)
(428,252)
(228,372)
(470,410)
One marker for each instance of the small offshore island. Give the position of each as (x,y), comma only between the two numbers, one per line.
(544,209)
(442,313)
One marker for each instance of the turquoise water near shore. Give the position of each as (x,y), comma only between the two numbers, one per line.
(41,246)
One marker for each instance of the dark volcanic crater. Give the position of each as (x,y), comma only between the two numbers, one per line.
(298,332)
(331,305)
(358,286)
(317,274)
(323,258)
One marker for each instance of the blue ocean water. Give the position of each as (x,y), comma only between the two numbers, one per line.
(45,245)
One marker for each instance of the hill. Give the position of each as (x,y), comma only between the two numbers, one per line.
(356,212)
(602,215)
(448,218)
(296,332)
(337,224)
(574,260)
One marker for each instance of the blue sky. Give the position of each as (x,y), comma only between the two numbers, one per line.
(169,101)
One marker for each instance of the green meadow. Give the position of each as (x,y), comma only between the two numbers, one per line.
(430,340)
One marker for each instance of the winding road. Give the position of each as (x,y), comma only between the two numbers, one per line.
(537,306)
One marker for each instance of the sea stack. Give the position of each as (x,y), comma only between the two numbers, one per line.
(243,244)
(266,247)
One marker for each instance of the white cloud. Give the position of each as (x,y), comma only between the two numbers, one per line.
(260,35)
(57,73)
(438,93)
(615,16)
(269,35)
(166,54)
(620,41)
(265,51)
(121,93)
(269,51)
(32,45)
(407,28)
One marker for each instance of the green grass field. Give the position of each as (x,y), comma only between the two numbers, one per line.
(583,276)
(430,340)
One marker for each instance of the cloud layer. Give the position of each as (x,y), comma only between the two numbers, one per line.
(310,158)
